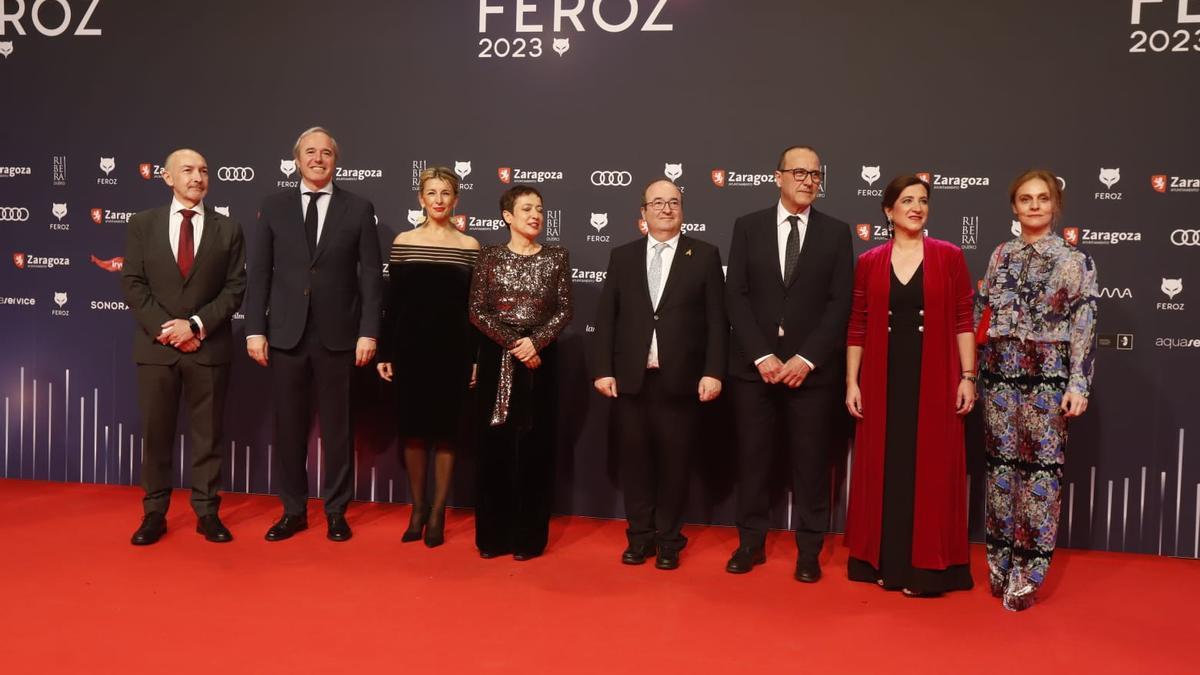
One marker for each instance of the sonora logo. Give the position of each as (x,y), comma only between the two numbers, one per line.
(239,174)
(612,178)
(13,214)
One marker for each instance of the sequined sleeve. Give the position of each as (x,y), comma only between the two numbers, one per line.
(1083,329)
(548,332)
(485,317)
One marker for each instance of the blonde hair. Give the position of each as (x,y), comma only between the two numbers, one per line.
(438,173)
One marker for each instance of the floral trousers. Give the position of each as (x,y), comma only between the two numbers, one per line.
(1025,434)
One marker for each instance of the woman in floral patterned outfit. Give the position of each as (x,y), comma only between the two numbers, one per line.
(1036,369)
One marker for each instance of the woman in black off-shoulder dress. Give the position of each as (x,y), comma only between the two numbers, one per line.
(429,346)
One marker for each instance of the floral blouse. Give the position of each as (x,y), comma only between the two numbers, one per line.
(1044,292)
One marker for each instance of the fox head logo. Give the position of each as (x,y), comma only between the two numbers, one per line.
(5,48)
(561,45)
(416,217)
(863,230)
(460,222)
(1172,287)
(504,173)
(463,169)
(1110,177)
(598,221)
(718,177)
(58,210)
(673,171)
(107,164)
(1071,235)
(60,299)
(145,170)
(1159,182)
(287,167)
(870,174)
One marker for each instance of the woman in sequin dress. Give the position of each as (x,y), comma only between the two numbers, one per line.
(910,379)
(1036,370)
(521,301)
(428,347)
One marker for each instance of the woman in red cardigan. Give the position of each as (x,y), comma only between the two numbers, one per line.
(910,379)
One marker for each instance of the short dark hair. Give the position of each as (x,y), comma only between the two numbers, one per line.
(899,184)
(656,181)
(783,155)
(510,196)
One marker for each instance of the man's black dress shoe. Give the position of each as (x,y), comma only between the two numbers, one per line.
(153,527)
(213,529)
(339,529)
(744,559)
(667,559)
(636,555)
(286,527)
(488,555)
(808,570)
(522,557)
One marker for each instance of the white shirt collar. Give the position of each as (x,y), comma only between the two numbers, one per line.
(781,214)
(671,243)
(304,187)
(177,206)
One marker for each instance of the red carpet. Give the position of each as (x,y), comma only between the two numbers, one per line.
(77,598)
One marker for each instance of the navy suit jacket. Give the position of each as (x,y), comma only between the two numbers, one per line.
(690,319)
(338,288)
(813,309)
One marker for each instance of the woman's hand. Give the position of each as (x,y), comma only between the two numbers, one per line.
(854,400)
(1073,404)
(385,370)
(474,376)
(523,349)
(533,363)
(964,401)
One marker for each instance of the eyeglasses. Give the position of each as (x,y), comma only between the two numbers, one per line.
(803,174)
(660,204)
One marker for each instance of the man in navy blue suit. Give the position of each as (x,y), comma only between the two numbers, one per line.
(313,308)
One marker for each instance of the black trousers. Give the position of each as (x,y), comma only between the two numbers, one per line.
(159,390)
(800,420)
(515,460)
(654,433)
(297,375)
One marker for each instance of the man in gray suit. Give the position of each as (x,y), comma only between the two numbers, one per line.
(184,277)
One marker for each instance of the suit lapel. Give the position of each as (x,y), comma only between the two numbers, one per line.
(806,248)
(161,236)
(679,265)
(206,239)
(642,272)
(337,207)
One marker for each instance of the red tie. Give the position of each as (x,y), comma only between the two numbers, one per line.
(187,250)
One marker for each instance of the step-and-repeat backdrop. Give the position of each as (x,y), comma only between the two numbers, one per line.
(589,99)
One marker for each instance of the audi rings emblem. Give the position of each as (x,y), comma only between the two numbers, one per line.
(612,178)
(1185,237)
(13,214)
(240,174)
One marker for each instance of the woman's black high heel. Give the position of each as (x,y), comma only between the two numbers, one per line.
(416,523)
(435,529)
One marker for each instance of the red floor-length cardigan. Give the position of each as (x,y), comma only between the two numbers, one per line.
(939,508)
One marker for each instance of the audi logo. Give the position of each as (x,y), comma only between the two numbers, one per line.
(239,174)
(612,178)
(13,214)
(1186,237)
